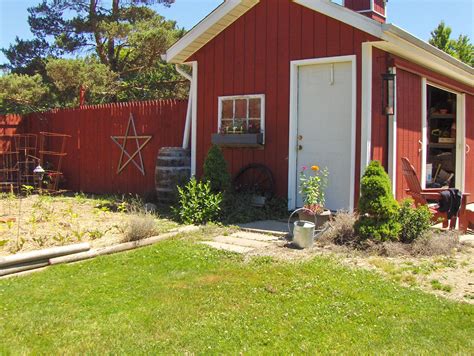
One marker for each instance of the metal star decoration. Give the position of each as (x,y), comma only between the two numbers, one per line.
(138,152)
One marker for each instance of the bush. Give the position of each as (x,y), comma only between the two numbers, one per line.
(197,203)
(215,170)
(341,231)
(378,209)
(415,221)
(140,226)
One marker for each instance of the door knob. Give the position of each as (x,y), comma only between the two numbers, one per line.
(300,147)
(300,137)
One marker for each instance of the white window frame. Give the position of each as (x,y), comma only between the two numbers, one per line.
(243,97)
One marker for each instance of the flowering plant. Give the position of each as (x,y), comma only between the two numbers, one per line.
(313,188)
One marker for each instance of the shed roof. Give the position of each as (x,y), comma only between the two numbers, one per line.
(393,39)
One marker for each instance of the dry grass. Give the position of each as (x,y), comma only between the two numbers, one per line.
(433,243)
(140,226)
(341,231)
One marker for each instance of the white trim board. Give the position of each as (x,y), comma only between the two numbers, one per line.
(194,98)
(424,130)
(366,110)
(343,14)
(460,134)
(392,141)
(293,124)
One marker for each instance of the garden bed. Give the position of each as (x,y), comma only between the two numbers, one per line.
(41,221)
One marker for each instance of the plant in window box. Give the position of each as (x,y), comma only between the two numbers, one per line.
(313,184)
(239,135)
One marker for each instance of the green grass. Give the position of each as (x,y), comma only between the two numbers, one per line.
(437,285)
(178,297)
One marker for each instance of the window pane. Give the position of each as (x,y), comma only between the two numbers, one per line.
(254,126)
(227,109)
(226,125)
(255,108)
(241,108)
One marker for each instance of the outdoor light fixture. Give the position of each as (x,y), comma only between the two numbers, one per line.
(39,172)
(388,93)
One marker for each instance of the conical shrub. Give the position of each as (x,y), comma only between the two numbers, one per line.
(378,209)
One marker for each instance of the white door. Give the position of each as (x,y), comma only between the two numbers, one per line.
(326,128)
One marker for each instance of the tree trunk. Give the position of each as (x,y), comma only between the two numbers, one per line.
(98,38)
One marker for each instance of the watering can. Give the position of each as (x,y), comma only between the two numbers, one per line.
(304,232)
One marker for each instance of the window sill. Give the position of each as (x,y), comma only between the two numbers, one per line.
(248,140)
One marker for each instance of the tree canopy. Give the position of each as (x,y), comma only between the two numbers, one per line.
(461,48)
(118,46)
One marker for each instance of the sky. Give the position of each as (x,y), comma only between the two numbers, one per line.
(418,17)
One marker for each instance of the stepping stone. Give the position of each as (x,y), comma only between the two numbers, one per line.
(241,242)
(228,247)
(254,236)
(272,227)
(467,239)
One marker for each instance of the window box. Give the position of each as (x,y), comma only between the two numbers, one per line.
(254,140)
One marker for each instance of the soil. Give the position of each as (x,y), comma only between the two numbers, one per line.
(38,222)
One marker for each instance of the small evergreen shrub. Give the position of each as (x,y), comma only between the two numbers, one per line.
(197,203)
(215,170)
(378,209)
(415,221)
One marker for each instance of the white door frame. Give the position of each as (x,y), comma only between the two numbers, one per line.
(293,141)
(460,133)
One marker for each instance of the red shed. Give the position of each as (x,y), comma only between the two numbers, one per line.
(312,82)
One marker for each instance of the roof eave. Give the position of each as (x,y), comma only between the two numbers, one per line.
(214,23)
(390,29)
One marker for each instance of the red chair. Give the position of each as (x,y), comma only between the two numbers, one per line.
(421,197)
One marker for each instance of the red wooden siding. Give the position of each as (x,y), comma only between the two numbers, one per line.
(252,56)
(469,187)
(92,159)
(9,125)
(408,124)
(379,121)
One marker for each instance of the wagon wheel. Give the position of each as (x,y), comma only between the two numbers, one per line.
(255,178)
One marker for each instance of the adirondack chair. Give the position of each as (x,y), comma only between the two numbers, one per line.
(421,197)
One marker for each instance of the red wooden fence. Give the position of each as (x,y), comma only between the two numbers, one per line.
(92,157)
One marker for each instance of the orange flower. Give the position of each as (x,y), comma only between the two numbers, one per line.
(315,168)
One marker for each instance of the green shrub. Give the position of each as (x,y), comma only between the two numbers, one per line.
(378,209)
(215,170)
(415,221)
(197,203)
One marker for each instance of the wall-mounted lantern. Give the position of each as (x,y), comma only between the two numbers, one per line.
(388,93)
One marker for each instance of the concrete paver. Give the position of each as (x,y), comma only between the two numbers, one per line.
(228,247)
(241,242)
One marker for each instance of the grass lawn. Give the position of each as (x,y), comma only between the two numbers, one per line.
(178,297)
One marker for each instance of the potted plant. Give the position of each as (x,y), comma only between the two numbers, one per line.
(313,184)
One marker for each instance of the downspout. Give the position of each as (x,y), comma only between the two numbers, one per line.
(187,126)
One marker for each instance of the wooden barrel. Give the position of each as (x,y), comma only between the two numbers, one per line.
(173,168)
